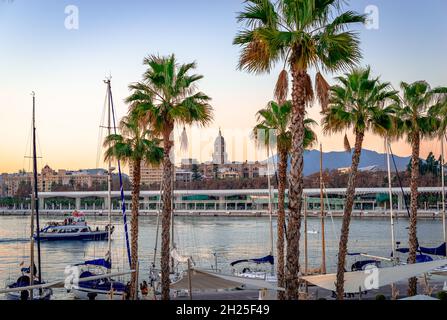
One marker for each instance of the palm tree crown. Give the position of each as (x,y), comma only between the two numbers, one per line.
(302,34)
(276,118)
(135,143)
(419,107)
(168,95)
(358,103)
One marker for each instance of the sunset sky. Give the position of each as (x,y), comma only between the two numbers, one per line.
(66,69)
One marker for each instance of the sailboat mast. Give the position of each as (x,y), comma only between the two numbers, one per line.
(393,241)
(306,263)
(109,175)
(36,192)
(31,268)
(173,246)
(323,236)
(270,199)
(443,190)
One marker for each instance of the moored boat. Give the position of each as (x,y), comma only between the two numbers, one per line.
(100,289)
(74,228)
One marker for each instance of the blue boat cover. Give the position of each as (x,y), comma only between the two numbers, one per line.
(439,251)
(421,258)
(99,262)
(268,259)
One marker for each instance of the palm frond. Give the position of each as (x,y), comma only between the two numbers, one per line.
(282,87)
(322,88)
(346,144)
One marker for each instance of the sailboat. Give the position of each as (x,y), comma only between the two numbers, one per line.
(105,288)
(246,272)
(32,276)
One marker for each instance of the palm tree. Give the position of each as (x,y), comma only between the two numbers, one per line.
(135,145)
(358,103)
(275,120)
(417,122)
(166,96)
(302,34)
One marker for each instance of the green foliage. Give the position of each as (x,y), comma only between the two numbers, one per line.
(421,111)
(442,295)
(304,33)
(167,95)
(134,144)
(430,166)
(380,297)
(196,176)
(275,120)
(362,103)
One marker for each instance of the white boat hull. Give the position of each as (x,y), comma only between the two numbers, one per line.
(46,295)
(83,294)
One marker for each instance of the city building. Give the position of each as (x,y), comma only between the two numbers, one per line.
(218,168)
(220,155)
(149,174)
(48,178)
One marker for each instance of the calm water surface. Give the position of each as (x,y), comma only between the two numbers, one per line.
(229,238)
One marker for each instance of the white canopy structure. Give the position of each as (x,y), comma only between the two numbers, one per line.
(419,297)
(202,280)
(374,278)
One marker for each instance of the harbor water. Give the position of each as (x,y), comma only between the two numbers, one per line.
(207,239)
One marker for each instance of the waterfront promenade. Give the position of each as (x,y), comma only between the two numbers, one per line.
(369,202)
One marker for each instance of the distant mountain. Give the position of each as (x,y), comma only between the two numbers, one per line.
(342,159)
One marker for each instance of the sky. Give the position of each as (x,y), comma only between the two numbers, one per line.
(66,68)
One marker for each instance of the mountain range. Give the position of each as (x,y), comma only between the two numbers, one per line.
(341,159)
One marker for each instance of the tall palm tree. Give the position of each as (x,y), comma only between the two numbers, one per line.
(417,122)
(275,120)
(135,145)
(302,34)
(167,95)
(358,102)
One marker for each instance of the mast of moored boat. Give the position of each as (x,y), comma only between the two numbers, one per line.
(31,268)
(323,239)
(36,192)
(109,175)
(270,199)
(390,192)
(443,190)
(173,246)
(306,260)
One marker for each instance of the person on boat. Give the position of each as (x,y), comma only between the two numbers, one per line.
(144,289)
(24,295)
(126,295)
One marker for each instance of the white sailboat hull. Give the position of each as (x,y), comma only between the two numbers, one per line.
(46,295)
(83,294)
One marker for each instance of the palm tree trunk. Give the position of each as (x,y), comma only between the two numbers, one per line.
(350,195)
(134,225)
(282,173)
(412,234)
(166,213)
(296,183)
